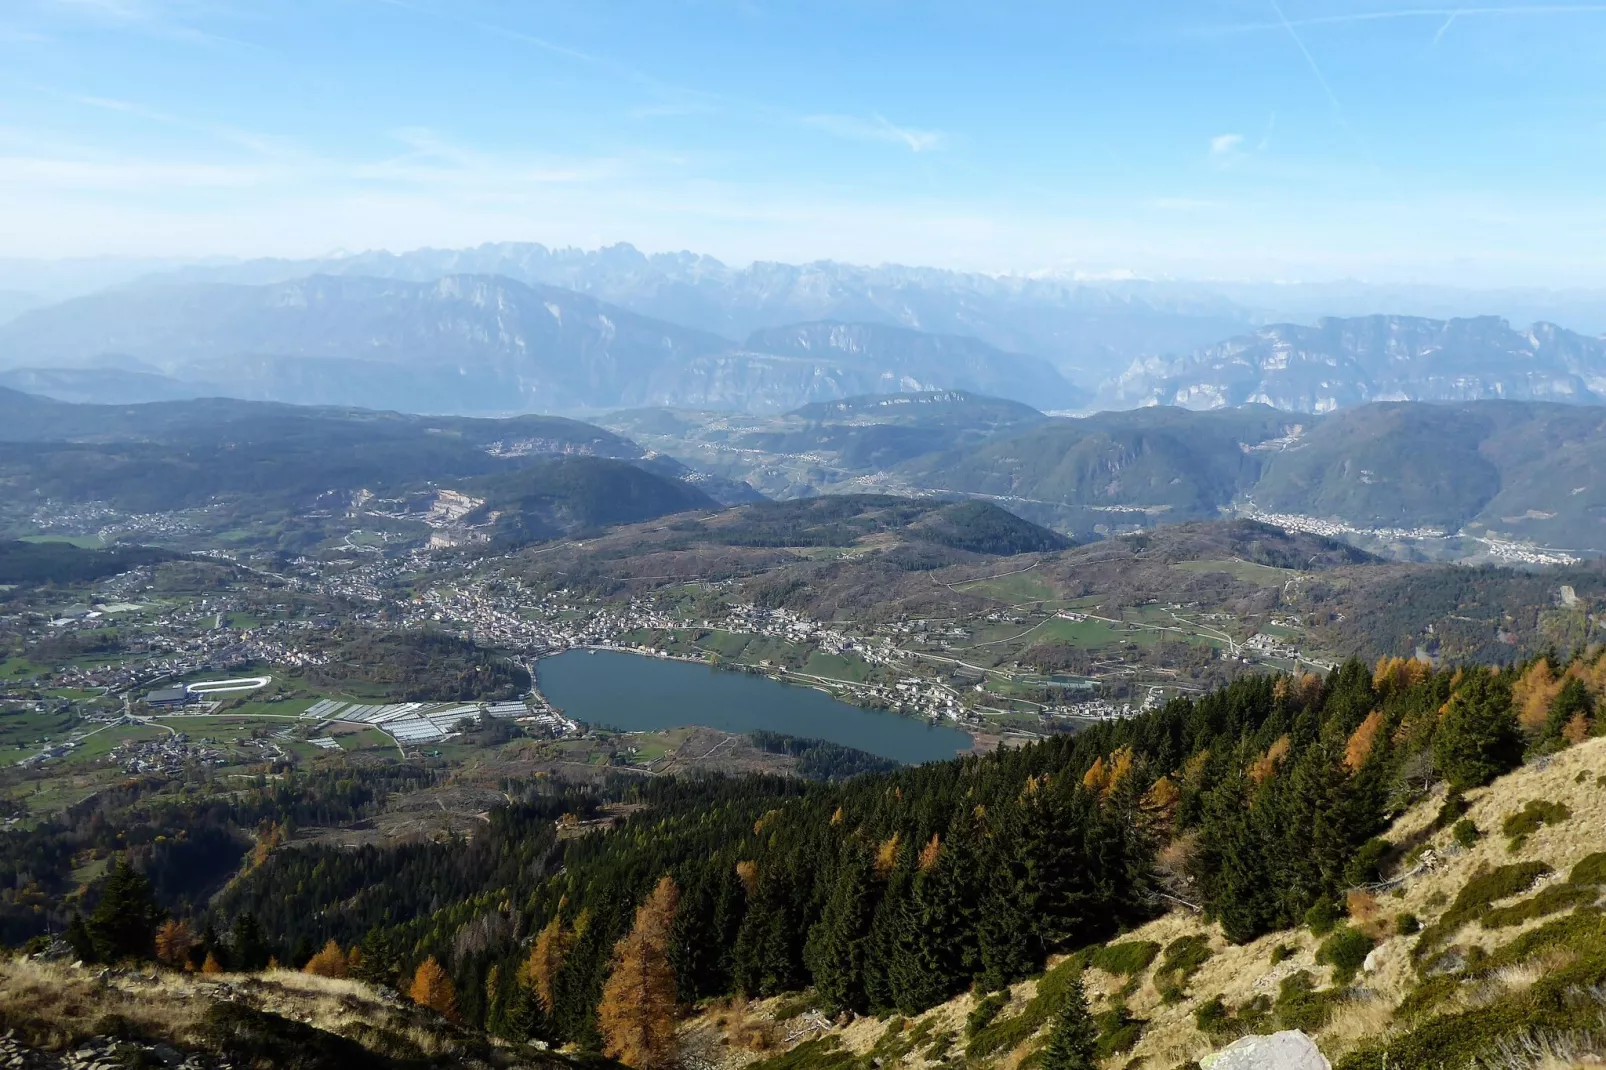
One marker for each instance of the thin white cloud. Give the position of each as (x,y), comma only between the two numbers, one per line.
(876,128)
(262,144)
(1223,145)
(1434,13)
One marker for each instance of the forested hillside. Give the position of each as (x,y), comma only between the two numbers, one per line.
(1259,804)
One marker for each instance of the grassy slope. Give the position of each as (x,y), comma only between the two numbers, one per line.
(279,1018)
(1239,974)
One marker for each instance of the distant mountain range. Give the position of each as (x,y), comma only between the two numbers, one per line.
(471,344)
(1344,362)
(1087,329)
(513,328)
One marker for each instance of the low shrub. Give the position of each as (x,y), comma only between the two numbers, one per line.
(1008,1033)
(1476,898)
(1591,869)
(1407,924)
(1281,952)
(1346,952)
(1453,808)
(982,1014)
(1365,866)
(1300,1006)
(1321,917)
(1118,1031)
(1465,833)
(1551,900)
(1126,959)
(1530,819)
(1214,1017)
(1182,959)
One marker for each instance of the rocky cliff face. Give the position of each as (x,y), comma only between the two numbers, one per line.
(1342,362)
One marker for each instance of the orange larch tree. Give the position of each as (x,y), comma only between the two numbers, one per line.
(637,1014)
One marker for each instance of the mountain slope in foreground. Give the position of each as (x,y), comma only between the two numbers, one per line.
(57,1015)
(1484,953)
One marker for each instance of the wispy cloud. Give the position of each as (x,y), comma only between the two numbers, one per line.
(1446,14)
(876,128)
(1224,145)
(262,144)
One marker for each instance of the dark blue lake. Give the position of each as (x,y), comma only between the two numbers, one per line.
(633,693)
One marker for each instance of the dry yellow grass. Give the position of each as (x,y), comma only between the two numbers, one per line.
(1240,973)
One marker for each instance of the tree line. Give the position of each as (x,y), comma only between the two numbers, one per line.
(1257,804)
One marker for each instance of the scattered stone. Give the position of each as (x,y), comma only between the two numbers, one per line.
(1288,1050)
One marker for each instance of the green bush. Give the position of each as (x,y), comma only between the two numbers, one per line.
(1551,900)
(1591,869)
(1118,1031)
(1321,917)
(1365,865)
(1281,952)
(1407,924)
(1583,932)
(1125,959)
(1454,807)
(1346,952)
(1213,1017)
(982,1014)
(1465,833)
(1533,816)
(1300,1006)
(1052,989)
(1182,959)
(1475,899)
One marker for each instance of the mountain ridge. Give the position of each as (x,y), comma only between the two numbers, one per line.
(1341,362)
(472,343)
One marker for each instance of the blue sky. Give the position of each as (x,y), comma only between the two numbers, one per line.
(1282,139)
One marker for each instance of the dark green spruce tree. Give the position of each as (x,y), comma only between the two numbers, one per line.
(836,947)
(1073,1039)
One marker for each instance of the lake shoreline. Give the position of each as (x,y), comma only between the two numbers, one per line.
(733,701)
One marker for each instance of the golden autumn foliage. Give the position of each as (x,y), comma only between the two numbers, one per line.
(269,836)
(1120,769)
(1162,797)
(1104,777)
(637,1013)
(886,855)
(433,989)
(546,959)
(354,960)
(747,871)
(1577,729)
(330,962)
(838,817)
(211,965)
(493,981)
(173,943)
(1534,693)
(1398,674)
(1193,770)
(1362,740)
(930,853)
(1264,766)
